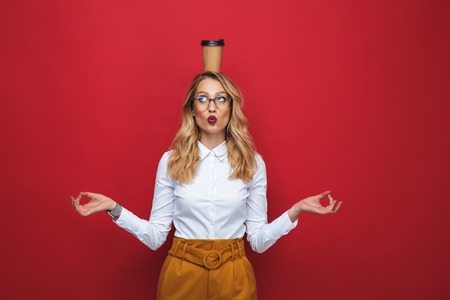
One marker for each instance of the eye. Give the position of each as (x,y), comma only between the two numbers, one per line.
(222,99)
(202,99)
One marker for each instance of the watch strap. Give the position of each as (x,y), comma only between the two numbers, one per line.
(115,212)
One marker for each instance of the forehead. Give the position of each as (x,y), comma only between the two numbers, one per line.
(210,85)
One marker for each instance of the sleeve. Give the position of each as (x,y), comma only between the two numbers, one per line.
(260,234)
(153,232)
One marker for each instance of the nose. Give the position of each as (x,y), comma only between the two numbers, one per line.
(211,105)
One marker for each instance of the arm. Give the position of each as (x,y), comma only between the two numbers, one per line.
(152,232)
(261,234)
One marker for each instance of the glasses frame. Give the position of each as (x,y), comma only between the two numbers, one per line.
(214,101)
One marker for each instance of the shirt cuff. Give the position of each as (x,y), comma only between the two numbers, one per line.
(282,226)
(125,218)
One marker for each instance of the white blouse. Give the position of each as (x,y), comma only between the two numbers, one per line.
(211,206)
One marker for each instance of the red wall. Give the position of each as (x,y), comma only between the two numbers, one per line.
(351,96)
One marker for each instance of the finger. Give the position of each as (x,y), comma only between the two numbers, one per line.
(76,205)
(330,198)
(88,194)
(72,201)
(75,202)
(332,204)
(337,207)
(329,208)
(79,197)
(83,211)
(324,194)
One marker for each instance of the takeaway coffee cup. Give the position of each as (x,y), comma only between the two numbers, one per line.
(212,54)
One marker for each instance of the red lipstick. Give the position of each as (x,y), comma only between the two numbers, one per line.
(212,119)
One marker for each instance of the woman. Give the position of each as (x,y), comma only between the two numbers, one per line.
(212,186)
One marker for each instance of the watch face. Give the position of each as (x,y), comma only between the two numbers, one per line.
(110,213)
(115,213)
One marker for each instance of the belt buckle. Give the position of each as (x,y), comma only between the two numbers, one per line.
(214,255)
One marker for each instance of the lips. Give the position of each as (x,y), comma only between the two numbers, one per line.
(212,119)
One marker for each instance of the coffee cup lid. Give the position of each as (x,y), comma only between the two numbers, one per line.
(213,43)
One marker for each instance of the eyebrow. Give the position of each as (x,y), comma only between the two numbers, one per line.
(203,92)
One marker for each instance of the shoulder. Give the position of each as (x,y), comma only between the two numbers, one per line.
(166,155)
(259,161)
(260,169)
(259,177)
(164,160)
(162,173)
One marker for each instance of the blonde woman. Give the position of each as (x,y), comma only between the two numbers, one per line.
(212,187)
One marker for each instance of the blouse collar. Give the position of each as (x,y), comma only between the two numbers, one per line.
(220,151)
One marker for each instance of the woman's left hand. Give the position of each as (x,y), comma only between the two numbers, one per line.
(312,204)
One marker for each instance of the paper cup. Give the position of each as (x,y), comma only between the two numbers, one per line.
(212,54)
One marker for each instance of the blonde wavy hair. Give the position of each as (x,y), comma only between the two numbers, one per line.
(184,159)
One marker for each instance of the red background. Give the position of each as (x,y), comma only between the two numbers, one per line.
(351,96)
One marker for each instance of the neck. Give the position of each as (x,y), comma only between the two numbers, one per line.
(211,141)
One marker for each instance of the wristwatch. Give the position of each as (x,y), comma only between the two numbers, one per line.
(115,213)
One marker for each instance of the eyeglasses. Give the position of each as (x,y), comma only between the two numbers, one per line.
(221,101)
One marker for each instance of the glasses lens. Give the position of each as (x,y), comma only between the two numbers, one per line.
(221,101)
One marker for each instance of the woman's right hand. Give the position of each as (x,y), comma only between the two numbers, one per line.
(97,202)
